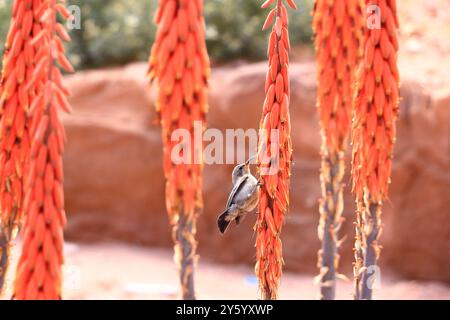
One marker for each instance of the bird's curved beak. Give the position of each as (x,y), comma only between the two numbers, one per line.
(248,162)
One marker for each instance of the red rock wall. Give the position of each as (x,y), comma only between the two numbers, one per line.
(115,189)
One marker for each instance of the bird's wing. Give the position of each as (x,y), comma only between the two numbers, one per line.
(237,187)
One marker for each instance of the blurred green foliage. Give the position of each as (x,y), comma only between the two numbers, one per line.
(234,28)
(4,21)
(115,32)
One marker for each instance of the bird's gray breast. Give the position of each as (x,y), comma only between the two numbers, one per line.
(244,194)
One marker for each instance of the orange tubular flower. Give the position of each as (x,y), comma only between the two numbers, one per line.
(15,97)
(274,153)
(39,269)
(373,137)
(338,28)
(180,65)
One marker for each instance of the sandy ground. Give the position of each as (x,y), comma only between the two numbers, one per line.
(117,271)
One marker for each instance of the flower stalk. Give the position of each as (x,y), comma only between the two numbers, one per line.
(274,153)
(39,270)
(373,137)
(15,99)
(338,34)
(179,64)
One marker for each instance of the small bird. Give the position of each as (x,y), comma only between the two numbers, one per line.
(243,198)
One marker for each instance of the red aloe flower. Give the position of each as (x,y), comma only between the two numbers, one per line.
(373,136)
(15,98)
(274,154)
(39,269)
(180,65)
(338,29)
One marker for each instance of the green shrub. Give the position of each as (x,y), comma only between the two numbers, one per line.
(115,32)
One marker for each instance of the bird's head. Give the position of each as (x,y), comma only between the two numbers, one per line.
(241,170)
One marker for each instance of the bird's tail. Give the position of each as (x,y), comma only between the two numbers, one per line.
(223,222)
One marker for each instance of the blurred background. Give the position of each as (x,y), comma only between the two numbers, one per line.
(119,243)
(116,32)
